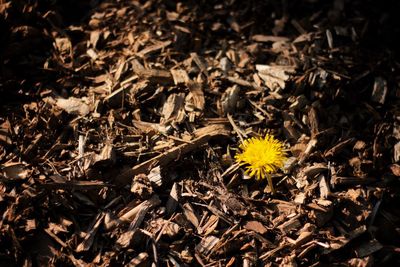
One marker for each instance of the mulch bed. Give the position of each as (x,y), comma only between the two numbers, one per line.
(120,122)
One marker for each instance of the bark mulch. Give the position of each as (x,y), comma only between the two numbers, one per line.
(120,122)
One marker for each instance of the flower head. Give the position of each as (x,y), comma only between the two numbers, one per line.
(261,156)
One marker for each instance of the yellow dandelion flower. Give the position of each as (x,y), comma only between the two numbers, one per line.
(262,156)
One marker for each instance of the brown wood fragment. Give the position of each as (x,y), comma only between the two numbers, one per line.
(203,136)
(153,75)
(89,236)
(196,96)
(255,226)
(62,183)
(210,225)
(395,168)
(141,186)
(14,171)
(310,147)
(338,147)
(34,145)
(303,238)
(207,244)
(348,181)
(379,91)
(139,259)
(173,199)
(396,152)
(268,38)
(180,76)
(315,169)
(367,248)
(155,176)
(106,158)
(145,205)
(300,198)
(289,261)
(314,123)
(153,48)
(173,109)
(5,134)
(290,225)
(321,212)
(274,77)
(324,189)
(291,132)
(240,81)
(199,62)
(190,214)
(229,99)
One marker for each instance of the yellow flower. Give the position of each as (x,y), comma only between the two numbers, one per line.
(262,156)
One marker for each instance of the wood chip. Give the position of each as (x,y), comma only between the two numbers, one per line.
(256,227)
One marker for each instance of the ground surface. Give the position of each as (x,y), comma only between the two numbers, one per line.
(120,120)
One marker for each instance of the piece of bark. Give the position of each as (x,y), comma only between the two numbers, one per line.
(395,168)
(138,260)
(290,130)
(153,48)
(170,229)
(310,147)
(289,261)
(234,204)
(300,198)
(203,135)
(359,145)
(379,90)
(116,97)
(322,213)
(31,149)
(268,38)
(190,214)
(205,247)
(274,77)
(155,176)
(14,171)
(60,182)
(396,152)
(348,181)
(73,105)
(299,103)
(153,75)
(196,96)
(141,186)
(290,225)
(255,226)
(241,82)
(336,149)
(368,248)
(225,64)
(229,99)
(173,109)
(5,134)
(173,199)
(89,237)
(145,205)
(210,225)
(314,122)
(106,158)
(324,190)
(180,76)
(315,169)
(199,62)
